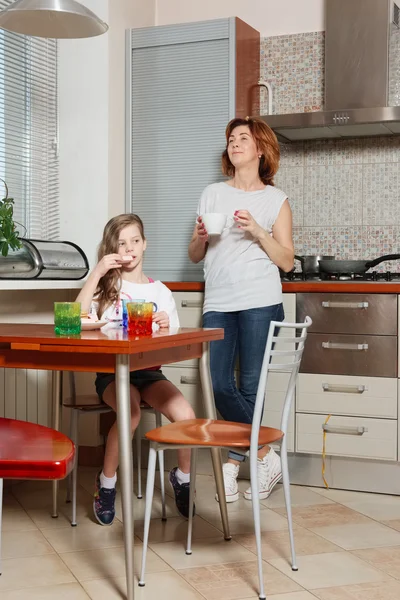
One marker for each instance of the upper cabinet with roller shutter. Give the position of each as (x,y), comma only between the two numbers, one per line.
(184,83)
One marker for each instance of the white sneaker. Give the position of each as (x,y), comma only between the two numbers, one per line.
(231,473)
(269,473)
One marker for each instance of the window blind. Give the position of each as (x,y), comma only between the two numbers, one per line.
(29,131)
(180,101)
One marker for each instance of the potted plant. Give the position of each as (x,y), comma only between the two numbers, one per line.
(8,230)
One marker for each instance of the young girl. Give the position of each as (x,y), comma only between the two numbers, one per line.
(118,275)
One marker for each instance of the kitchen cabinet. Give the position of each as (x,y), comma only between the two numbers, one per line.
(184,83)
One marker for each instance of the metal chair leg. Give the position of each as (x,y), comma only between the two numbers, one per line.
(192,493)
(138,438)
(286,490)
(255,498)
(151,470)
(161,467)
(74,437)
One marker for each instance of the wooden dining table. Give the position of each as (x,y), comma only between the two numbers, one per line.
(29,346)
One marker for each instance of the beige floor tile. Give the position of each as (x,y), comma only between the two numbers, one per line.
(300,496)
(242,521)
(139,507)
(168,586)
(359,535)
(235,581)
(10,502)
(24,543)
(385,559)
(342,496)
(43,519)
(109,563)
(292,596)
(275,544)
(64,591)
(17,520)
(329,570)
(385,508)
(175,528)
(394,524)
(205,552)
(323,515)
(19,573)
(384,590)
(85,537)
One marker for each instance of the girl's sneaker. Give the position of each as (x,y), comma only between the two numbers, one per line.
(104,503)
(181,491)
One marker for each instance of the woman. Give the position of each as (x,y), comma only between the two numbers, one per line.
(243,292)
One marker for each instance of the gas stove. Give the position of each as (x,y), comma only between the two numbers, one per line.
(380,277)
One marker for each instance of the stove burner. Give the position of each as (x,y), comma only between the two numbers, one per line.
(368,276)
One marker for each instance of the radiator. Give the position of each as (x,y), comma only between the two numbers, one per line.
(25,395)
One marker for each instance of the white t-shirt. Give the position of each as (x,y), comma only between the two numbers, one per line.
(238,273)
(155,292)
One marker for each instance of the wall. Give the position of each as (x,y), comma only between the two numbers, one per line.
(92,113)
(270,17)
(344,194)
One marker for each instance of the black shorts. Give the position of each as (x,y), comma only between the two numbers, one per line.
(139,379)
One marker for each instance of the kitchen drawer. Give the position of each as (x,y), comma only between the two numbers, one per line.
(344,395)
(275,398)
(190,308)
(370,355)
(374,314)
(377,438)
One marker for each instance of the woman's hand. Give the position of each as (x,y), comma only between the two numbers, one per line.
(161,318)
(246,222)
(109,261)
(201,231)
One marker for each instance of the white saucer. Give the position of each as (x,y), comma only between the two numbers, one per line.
(88,325)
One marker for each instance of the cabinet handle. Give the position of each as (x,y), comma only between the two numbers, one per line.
(330,304)
(344,389)
(345,430)
(189,380)
(338,346)
(191,304)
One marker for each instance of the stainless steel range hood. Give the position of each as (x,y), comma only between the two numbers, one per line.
(362,76)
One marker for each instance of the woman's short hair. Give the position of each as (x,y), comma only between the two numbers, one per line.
(266,142)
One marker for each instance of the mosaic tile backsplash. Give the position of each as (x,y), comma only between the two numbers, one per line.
(344,194)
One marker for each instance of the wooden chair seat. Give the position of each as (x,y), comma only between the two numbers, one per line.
(208,432)
(30,451)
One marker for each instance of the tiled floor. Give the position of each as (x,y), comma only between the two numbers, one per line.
(348,547)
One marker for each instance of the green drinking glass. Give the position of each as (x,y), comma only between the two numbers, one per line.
(67,318)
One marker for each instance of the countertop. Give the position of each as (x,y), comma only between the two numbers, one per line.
(293,287)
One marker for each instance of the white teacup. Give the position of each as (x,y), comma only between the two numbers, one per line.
(216,223)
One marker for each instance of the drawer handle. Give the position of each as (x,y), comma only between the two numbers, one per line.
(338,346)
(345,430)
(344,389)
(330,304)
(189,380)
(191,304)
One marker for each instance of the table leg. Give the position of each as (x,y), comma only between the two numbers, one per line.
(122,381)
(211,413)
(56,398)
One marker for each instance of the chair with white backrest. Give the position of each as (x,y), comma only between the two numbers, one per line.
(90,404)
(203,433)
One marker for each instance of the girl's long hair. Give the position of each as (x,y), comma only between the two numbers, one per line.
(108,289)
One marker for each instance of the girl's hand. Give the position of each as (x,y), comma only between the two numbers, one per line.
(246,222)
(161,318)
(201,231)
(109,261)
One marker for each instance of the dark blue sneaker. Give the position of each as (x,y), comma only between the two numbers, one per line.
(181,491)
(104,503)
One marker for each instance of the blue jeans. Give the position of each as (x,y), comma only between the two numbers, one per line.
(246,333)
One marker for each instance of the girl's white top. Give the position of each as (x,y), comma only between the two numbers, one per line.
(155,292)
(238,273)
